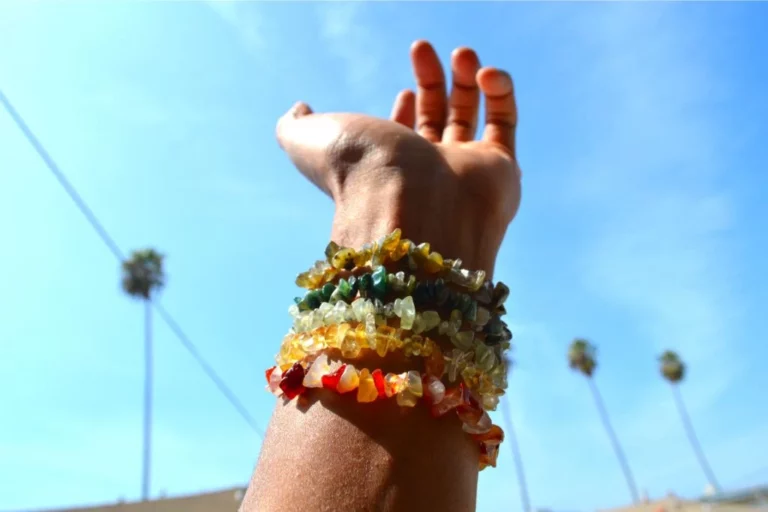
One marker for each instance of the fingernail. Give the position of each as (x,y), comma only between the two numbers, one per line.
(299,109)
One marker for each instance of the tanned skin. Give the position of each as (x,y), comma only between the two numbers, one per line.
(421,171)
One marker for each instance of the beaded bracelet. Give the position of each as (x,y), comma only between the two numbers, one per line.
(346,310)
(362,310)
(351,338)
(375,313)
(407,387)
(369,322)
(378,284)
(480,369)
(424,294)
(390,248)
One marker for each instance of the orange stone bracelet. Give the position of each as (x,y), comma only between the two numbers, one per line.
(291,381)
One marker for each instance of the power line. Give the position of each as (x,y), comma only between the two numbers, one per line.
(112,246)
(516,457)
(206,367)
(63,181)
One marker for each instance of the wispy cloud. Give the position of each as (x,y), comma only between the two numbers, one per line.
(651,181)
(653,242)
(233,200)
(342,30)
(245,20)
(131,104)
(661,252)
(351,40)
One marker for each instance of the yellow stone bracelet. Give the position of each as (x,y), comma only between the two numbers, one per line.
(486,377)
(351,338)
(390,248)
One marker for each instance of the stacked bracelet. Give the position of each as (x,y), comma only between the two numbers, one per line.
(373,313)
(407,387)
(372,300)
(351,339)
(389,249)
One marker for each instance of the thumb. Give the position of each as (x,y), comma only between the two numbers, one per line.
(297,111)
(307,138)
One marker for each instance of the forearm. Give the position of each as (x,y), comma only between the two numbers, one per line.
(331,453)
(325,451)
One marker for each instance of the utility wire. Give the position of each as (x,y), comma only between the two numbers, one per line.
(112,246)
(63,181)
(206,367)
(512,439)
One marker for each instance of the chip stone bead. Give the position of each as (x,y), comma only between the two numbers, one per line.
(390,249)
(351,338)
(408,388)
(394,295)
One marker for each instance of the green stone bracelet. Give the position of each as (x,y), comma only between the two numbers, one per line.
(484,308)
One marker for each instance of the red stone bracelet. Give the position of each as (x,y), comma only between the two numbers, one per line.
(291,381)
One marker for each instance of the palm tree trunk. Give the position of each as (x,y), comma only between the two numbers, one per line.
(147,400)
(512,439)
(614,441)
(693,439)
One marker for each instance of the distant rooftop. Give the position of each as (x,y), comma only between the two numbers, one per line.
(752,495)
(226,500)
(679,505)
(746,500)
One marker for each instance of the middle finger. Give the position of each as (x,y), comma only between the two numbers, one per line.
(431,97)
(464,103)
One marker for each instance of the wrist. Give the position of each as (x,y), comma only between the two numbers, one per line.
(379,186)
(427,205)
(369,210)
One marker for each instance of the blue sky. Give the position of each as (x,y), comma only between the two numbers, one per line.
(642,143)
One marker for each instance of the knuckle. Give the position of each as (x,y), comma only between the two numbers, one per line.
(346,152)
(461,122)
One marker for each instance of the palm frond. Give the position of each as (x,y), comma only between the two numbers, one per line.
(582,356)
(143,273)
(671,366)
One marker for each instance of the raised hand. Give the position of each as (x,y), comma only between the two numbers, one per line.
(435,182)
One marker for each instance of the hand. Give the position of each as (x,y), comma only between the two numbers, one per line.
(437,183)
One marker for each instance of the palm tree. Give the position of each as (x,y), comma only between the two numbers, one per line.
(143,277)
(582,358)
(673,370)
